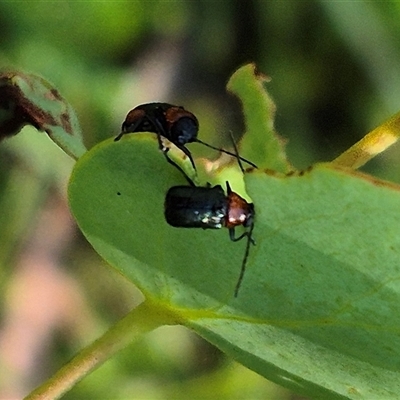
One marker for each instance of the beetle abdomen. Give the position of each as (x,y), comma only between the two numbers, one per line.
(196,207)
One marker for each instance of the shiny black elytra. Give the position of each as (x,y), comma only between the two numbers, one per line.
(210,208)
(173,122)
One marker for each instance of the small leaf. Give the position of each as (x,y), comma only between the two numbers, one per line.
(29,99)
(260,144)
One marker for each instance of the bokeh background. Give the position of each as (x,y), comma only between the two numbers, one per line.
(335,75)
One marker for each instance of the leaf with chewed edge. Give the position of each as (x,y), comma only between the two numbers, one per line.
(260,143)
(29,99)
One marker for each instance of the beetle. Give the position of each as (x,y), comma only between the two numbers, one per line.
(210,208)
(173,122)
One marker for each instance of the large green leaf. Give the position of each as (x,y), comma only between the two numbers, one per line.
(316,311)
(317,308)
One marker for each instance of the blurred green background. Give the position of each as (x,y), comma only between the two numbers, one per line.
(335,70)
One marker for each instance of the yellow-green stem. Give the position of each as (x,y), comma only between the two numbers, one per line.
(142,319)
(372,144)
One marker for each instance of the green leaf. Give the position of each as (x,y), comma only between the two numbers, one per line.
(317,311)
(260,143)
(317,308)
(29,99)
(138,178)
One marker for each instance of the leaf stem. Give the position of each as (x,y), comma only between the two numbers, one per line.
(375,142)
(146,317)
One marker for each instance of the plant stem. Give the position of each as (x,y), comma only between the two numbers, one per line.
(144,318)
(371,144)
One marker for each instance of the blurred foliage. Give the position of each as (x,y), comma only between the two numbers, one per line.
(334,77)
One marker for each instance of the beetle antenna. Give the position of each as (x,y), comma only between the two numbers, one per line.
(250,240)
(236,151)
(226,152)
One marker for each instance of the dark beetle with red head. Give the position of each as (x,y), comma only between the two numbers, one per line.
(210,208)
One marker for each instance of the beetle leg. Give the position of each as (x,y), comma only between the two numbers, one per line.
(187,152)
(245,234)
(232,235)
(159,132)
(250,240)
(138,122)
(177,166)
